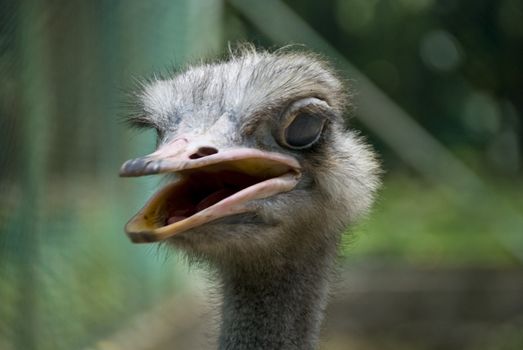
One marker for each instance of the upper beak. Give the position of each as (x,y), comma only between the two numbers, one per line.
(260,174)
(181,154)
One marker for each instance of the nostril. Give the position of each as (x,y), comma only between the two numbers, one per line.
(203,152)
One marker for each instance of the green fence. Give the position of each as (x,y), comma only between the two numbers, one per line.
(68,274)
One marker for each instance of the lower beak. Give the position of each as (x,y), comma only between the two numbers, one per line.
(210,185)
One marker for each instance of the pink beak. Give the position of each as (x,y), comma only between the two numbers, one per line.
(213,183)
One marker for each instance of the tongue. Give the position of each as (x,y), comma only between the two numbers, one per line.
(179,215)
(174,219)
(213,198)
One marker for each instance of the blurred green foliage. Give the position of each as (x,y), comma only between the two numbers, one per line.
(416,223)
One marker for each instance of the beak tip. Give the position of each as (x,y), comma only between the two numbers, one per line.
(138,230)
(128,168)
(139,167)
(122,172)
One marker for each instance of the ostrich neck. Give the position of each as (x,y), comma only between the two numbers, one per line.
(275,308)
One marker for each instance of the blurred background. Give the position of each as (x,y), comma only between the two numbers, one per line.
(439,92)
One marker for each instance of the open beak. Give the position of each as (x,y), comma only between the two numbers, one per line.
(211,184)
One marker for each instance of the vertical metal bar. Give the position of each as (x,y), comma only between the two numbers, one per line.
(35,112)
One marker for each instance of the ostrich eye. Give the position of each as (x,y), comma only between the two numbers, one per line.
(304,130)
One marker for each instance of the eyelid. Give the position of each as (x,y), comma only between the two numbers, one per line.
(311,105)
(307,103)
(257,117)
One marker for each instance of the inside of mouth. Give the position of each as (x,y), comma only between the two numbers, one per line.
(198,190)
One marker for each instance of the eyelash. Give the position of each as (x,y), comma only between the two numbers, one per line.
(159,134)
(140,122)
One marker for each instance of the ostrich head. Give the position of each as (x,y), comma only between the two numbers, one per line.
(260,163)
(263,178)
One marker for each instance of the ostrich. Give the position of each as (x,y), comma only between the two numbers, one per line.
(263,179)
